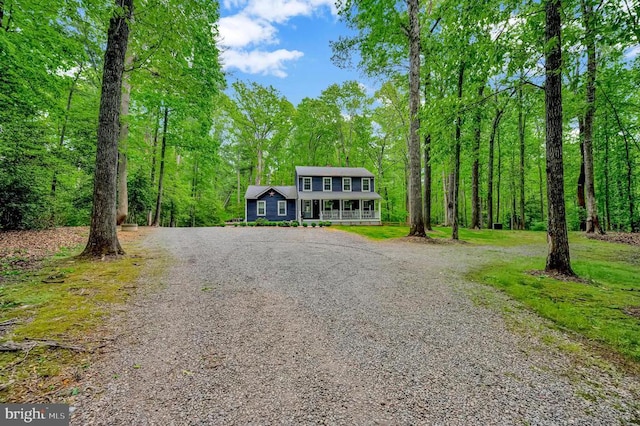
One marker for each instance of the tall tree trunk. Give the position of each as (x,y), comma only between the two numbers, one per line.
(558,258)
(541,186)
(427,182)
(476,210)
(456,156)
(103,238)
(153,159)
(580,189)
(427,163)
(499,183)
(492,139)
(521,136)
(163,150)
(415,184)
(607,202)
(629,182)
(260,169)
(593,224)
(123,191)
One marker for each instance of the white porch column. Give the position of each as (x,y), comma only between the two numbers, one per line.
(360,205)
(341,209)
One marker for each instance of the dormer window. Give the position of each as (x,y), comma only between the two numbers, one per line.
(326,184)
(346,184)
(306,184)
(366,185)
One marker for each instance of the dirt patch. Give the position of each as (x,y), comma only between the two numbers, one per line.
(558,276)
(431,240)
(632,311)
(618,237)
(24,250)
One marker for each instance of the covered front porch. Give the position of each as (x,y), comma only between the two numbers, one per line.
(340,208)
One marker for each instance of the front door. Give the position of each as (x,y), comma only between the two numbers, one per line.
(316,209)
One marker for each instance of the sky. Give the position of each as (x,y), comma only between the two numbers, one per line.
(282,43)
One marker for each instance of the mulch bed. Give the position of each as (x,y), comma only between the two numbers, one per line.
(618,237)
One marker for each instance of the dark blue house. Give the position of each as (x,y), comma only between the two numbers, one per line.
(273,203)
(337,194)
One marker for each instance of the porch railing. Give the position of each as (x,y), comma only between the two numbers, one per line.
(348,215)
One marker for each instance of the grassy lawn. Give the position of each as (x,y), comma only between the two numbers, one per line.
(66,302)
(599,308)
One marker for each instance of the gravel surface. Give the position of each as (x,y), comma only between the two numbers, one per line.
(317,326)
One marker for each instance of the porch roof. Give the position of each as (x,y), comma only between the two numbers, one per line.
(339,196)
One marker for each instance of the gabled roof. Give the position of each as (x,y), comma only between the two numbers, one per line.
(255,191)
(333,171)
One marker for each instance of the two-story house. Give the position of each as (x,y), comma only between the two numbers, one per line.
(344,195)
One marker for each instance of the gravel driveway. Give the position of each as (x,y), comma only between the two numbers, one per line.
(317,326)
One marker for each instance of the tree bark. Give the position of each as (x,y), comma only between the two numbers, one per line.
(427,182)
(629,163)
(415,184)
(492,139)
(580,189)
(456,156)
(123,193)
(163,150)
(558,258)
(521,136)
(427,163)
(103,238)
(593,223)
(476,216)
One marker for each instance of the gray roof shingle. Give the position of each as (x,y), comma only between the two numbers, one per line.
(254,191)
(333,171)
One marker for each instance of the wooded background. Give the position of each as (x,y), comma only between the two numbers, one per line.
(190,145)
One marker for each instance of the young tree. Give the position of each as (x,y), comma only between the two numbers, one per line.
(103,238)
(558,258)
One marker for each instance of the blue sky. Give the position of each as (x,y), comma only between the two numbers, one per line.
(282,43)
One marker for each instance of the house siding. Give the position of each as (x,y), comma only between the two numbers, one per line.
(272,208)
(336,184)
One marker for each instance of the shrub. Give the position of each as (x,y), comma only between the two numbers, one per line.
(313,224)
(295,224)
(304,224)
(261,221)
(539,226)
(242,224)
(327,224)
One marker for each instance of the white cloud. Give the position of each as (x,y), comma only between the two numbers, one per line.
(239,31)
(281,11)
(632,52)
(253,27)
(259,61)
(230,4)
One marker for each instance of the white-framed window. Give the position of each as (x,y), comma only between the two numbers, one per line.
(262,208)
(366,185)
(282,208)
(306,184)
(326,184)
(346,184)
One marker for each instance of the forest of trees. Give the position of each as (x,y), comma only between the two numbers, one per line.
(189,145)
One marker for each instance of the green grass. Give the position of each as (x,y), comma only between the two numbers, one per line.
(480,237)
(69,309)
(594,308)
